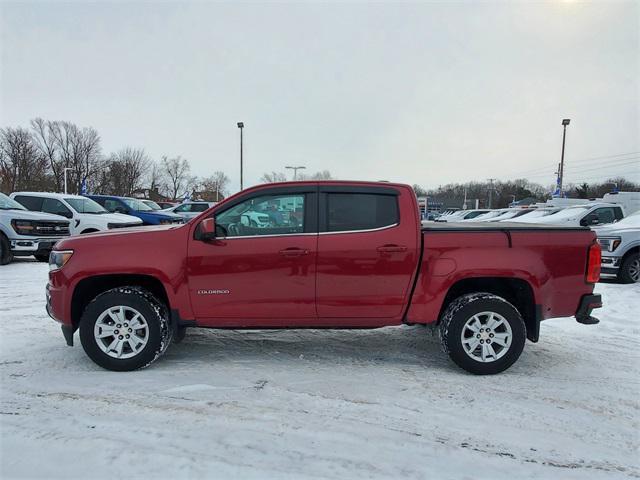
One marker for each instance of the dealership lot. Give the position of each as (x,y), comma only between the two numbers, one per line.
(314,404)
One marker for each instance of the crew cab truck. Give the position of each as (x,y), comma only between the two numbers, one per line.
(358,258)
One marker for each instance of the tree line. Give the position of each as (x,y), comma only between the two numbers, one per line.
(36,159)
(500,194)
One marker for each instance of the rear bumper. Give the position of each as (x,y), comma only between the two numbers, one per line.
(587,304)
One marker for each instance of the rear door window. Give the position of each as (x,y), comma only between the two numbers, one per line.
(30,203)
(360,211)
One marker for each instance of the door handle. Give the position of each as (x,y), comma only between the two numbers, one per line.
(392,248)
(293,252)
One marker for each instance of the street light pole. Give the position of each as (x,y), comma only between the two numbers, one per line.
(565,122)
(241,127)
(65,178)
(295,171)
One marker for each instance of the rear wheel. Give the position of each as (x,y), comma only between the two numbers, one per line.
(125,329)
(482,333)
(5,250)
(630,269)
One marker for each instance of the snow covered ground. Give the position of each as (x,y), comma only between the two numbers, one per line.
(318,404)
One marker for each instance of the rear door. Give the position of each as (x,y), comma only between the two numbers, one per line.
(367,253)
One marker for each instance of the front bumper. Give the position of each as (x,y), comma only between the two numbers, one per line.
(29,246)
(587,304)
(609,266)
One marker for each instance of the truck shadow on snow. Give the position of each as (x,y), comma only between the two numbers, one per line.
(389,346)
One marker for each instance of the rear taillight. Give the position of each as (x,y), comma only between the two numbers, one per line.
(593,263)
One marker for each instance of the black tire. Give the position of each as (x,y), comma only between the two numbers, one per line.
(629,269)
(5,250)
(461,310)
(152,310)
(42,257)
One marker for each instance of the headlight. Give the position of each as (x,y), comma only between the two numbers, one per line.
(23,227)
(166,221)
(59,258)
(609,244)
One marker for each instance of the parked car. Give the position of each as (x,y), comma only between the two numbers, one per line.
(460,215)
(24,233)
(538,212)
(630,201)
(620,244)
(589,214)
(85,215)
(136,208)
(189,210)
(488,215)
(164,205)
(513,215)
(357,259)
(152,204)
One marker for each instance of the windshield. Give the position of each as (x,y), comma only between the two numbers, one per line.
(536,214)
(85,205)
(7,203)
(152,204)
(632,220)
(492,214)
(137,205)
(569,212)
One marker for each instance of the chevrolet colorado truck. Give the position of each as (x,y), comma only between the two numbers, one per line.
(357,257)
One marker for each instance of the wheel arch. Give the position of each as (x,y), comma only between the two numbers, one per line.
(516,291)
(88,288)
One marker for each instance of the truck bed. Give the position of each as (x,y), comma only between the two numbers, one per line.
(494,226)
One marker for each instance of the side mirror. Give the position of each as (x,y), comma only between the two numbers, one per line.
(207,229)
(591,219)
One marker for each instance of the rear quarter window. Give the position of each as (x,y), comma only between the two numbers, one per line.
(360,211)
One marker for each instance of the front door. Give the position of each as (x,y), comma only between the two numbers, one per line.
(260,271)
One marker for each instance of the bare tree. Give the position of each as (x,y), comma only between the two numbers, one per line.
(215,186)
(21,164)
(45,141)
(272,177)
(66,146)
(321,175)
(126,170)
(176,171)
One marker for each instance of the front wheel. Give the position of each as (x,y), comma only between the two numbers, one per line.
(5,250)
(482,333)
(125,329)
(630,269)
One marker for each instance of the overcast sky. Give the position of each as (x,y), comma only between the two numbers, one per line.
(426,93)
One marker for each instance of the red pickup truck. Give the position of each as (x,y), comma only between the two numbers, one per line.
(321,255)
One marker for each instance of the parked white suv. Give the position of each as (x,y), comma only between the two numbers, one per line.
(85,215)
(24,233)
(620,244)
